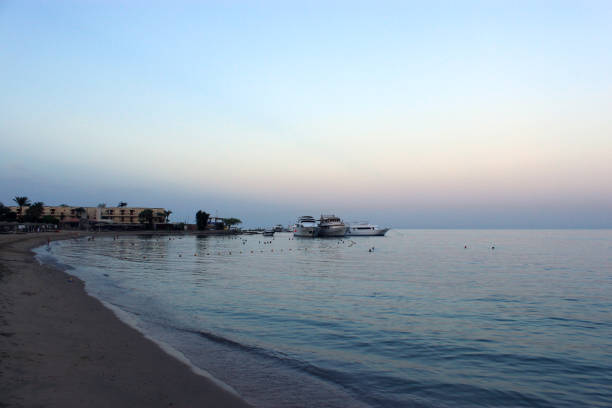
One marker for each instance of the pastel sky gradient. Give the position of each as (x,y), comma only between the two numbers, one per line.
(450,114)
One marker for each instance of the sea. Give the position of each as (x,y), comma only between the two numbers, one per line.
(417,318)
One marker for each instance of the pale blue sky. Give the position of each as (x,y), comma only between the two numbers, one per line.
(430,114)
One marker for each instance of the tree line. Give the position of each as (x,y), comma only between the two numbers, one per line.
(202,218)
(34,213)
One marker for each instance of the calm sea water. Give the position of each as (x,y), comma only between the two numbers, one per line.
(420,321)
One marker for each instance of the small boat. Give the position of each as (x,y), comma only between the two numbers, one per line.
(306,226)
(365,229)
(331,226)
(268,232)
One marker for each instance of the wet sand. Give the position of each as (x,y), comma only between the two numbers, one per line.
(60,347)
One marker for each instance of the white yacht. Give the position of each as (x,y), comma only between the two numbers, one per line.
(331,226)
(306,226)
(365,229)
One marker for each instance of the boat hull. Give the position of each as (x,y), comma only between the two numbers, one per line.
(366,233)
(332,230)
(309,232)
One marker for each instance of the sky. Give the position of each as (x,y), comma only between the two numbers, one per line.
(442,114)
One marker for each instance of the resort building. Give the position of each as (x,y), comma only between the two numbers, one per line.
(106,215)
(128,215)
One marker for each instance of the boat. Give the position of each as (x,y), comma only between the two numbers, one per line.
(306,226)
(278,228)
(331,226)
(268,232)
(364,228)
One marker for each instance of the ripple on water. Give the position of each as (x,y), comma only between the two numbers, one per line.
(420,322)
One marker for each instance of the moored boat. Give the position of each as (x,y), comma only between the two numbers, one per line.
(306,226)
(331,226)
(365,229)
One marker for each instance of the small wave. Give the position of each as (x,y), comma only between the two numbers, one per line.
(581,322)
(132,321)
(236,345)
(534,364)
(47,258)
(479,396)
(357,383)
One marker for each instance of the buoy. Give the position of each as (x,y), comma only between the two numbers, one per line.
(195,254)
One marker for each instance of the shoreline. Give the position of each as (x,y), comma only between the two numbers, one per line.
(61,347)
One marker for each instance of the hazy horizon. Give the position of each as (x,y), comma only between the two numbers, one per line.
(413,115)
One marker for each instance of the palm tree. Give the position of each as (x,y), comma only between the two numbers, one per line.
(231,221)
(122,204)
(79,212)
(35,212)
(146,216)
(21,202)
(6,214)
(167,215)
(202,219)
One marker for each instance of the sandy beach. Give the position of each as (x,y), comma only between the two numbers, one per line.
(60,347)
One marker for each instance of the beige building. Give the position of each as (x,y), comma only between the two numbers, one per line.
(110,215)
